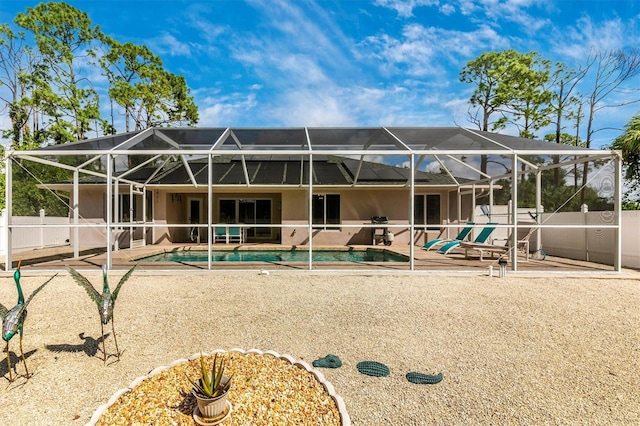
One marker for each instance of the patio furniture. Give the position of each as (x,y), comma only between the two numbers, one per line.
(220,234)
(234,234)
(501,249)
(480,239)
(227,234)
(460,237)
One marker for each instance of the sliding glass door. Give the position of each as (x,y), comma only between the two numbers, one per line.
(248,212)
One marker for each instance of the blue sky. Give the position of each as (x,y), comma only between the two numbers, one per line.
(273,63)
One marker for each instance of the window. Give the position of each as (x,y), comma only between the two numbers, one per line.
(227,211)
(149,211)
(127,213)
(426,210)
(326,211)
(247,211)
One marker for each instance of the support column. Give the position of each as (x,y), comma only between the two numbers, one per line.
(8,183)
(109,208)
(473,203)
(412,196)
(41,245)
(209,208)
(490,199)
(617,207)
(310,211)
(538,210)
(514,214)
(144,215)
(76,213)
(116,213)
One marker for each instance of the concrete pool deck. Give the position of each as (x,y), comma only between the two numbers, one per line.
(51,259)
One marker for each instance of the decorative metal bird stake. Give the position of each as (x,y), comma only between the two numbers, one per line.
(13,319)
(105,301)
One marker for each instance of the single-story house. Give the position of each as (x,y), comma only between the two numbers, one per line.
(342,186)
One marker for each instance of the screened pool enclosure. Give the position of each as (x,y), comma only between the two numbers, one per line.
(310,188)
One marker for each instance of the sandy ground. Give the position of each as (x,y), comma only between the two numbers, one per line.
(515,350)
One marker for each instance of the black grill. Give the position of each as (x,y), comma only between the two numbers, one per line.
(379,219)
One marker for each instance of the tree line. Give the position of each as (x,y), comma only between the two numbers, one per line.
(531,93)
(55,63)
(49,60)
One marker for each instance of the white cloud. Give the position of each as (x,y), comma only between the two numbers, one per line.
(468,7)
(515,11)
(456,169)
(585,36)
(405,7)
(447,9)
(170,45)
(314,32)
(483,12)
(216,109)
(425,51)
(311,108)
(208,31)
(303,70)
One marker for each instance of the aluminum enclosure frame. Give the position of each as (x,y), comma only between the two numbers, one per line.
(229,144)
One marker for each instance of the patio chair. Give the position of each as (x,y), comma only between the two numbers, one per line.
(460,237)
(482,238)
(481,248)
(220,234)
(235,234)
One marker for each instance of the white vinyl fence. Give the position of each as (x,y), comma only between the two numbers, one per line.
(35,238)
(590,244)
(593,244)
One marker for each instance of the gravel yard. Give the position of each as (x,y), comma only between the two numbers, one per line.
(516,350)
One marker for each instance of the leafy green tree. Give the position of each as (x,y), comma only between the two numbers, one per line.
(51,99)
(29,197)
(529,108)
(167,103)
(16,67)
(130,69)
(510,86)
(629,144)
(64,37)
(490,73)
(149,94)
(554,197)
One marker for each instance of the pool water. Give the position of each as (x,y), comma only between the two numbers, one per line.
(278,256)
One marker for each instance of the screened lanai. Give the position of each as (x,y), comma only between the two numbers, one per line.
(308,187)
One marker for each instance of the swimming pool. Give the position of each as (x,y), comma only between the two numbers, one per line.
(277,256)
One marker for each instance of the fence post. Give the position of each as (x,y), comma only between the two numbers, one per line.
(3,234)
(41,228)
(584,209)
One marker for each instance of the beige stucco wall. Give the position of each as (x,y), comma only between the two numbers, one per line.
(357,205)
(290,207)
(91,209)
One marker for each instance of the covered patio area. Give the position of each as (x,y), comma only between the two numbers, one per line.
(311,188)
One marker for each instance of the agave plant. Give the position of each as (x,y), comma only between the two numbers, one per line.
(210,384)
